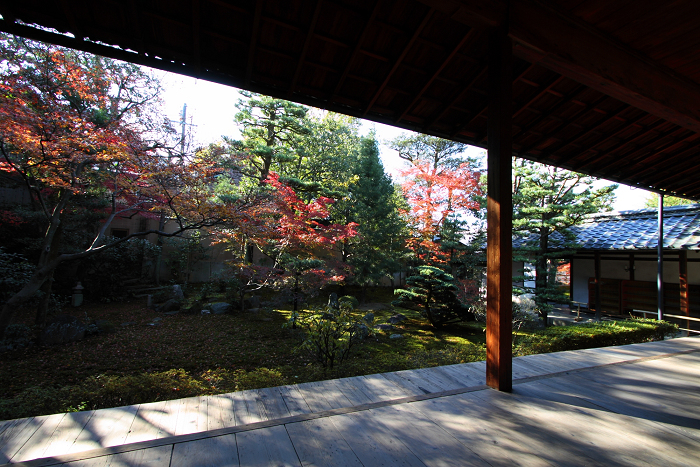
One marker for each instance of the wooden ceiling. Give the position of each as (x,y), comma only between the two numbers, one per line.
(609,88)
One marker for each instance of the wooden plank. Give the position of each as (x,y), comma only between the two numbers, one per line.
(63,438)
(488,437)
(192,417)
(272,401)
(623,403)
(152,457)
(16,434)
(220,412)
(352,391)
(36,445)
(382,388)
(311,392)
(294,400)
(564,435)
(332,393)
(372,443)
(266,447)
(499,211)
(468,379)
(412,382)
(109,427)
(247,408)
(318,442)
(220,451)
(439,378)
(148,423)
(429,442)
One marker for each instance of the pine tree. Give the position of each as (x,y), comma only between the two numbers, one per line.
(432,292)
(549,200)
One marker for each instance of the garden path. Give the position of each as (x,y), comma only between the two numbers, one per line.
(629,405)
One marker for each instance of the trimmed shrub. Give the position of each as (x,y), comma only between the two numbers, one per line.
(593,335)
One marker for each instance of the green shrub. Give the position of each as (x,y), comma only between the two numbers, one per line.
(592,335)
(330,334)
(350,300)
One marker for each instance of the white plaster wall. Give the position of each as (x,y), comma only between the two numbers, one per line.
(644,271)
(582,270)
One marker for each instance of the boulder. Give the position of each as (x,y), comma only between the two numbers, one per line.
(396,336)
(177,292)
(170,305)
(220,308)
(384,327)
(62,330)
(397,318)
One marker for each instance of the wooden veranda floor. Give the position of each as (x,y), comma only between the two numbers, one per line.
(629,405)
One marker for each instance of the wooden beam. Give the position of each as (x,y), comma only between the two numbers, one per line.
(355,51)
(253,41)
(499,257)
(399,59)
(561,42)
(305,48)
(467,37)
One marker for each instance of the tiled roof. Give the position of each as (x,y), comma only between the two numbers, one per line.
(636,230)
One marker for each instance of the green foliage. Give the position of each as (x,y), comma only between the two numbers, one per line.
(182,253)
(652,201)
(102,275)
(375,205)
(592,335)
(548,200)
(15,272)
(432,292)
(16,336)
(331,334)
(350,301)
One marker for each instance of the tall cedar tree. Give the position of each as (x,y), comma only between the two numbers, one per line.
(374,204)
(439,185)
(549,200)
(75,126)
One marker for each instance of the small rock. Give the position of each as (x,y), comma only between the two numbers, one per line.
(253,310)
(128,323)
(62,330)
(220,308)
(397,318)
(157,320)
(171,313)
(384,327)
(396,336)
(206,312)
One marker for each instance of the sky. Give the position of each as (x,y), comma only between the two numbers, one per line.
(211,108)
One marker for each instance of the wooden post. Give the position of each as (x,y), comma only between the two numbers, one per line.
(660,259)
(499,257)
(631,266)
(683,280)
(598,300)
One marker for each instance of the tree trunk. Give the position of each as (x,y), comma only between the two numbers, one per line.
(541,273)
(43,308)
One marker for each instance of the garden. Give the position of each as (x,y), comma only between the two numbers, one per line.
(327,267)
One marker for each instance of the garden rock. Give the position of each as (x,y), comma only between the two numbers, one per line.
(104,326)
(397,318)
(384,327)
(220,308)
(62,330)
(206,312)
(333,301)
(252,302)
(170,305)
(171,313)
(177,292)
(396,336)
(127,323)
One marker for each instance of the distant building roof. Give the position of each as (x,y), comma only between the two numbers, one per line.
(635,230)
